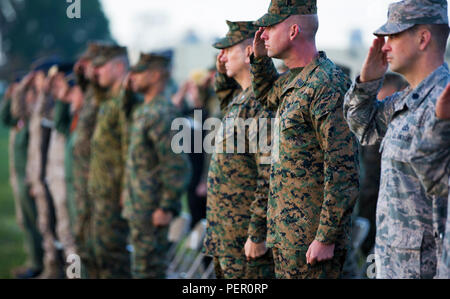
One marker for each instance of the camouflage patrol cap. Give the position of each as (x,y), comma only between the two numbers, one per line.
(279,10)
(92,51)
(107,53)
(150,61)
(238,32)
(405,14)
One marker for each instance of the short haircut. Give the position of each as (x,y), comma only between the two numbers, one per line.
(439,33)
(309,25)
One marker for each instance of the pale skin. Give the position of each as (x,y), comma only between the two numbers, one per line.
(287,41)
(413,55)
(151,83)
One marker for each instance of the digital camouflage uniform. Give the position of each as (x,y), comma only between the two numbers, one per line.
(81,159)
(34,170)
(106,170)
(410,222)
(238,181)
(314,174)
(156,178)
(55,178)
(65,123)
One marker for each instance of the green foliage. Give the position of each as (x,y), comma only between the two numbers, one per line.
(42,28)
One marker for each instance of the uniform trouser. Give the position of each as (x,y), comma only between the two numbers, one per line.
(55,178)
(27,205)
(291,264)
(33,237)
(83,228)
(45,227)
(407,263)
(110,233)
(240,268)
(150,244)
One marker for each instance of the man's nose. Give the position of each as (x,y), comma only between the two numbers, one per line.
(386,47)
(264,35)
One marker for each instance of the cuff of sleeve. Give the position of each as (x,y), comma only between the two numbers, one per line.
(171,202)
(326,234)
(370,87)
(257,230)
(258,60)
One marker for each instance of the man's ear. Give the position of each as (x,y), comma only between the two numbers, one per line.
(248,53)
(424,36)
(294,31)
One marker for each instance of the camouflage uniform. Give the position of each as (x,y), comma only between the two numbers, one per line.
(34,170)
(410,222)
(26,204)
(55,177)
(314,174)
(65,123)
(238,182)
(81,159)
(110,229)
(156,178)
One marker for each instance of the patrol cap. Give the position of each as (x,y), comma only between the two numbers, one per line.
(238,32)
(44,64)
(152,60)
(280,10)
(92,51)
(405,14)
(107,53)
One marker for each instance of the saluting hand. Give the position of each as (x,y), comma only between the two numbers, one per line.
(375,65)
(443,104)
(220,65)
(259,47)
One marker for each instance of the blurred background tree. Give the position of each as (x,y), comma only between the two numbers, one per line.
(30,29)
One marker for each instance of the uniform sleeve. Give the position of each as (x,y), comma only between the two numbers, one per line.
(431,154)
(62,117)
(175,168)
(5,113)
(18,104)
(226,89)
(367,117)
(264,75)
(340,166)
(257,230)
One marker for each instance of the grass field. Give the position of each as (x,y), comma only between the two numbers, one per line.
(11,238)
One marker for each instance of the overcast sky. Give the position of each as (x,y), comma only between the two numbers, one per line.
(152,24)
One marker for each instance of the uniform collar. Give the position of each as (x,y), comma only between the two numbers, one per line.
(418,95)
(307,71)
(242,97)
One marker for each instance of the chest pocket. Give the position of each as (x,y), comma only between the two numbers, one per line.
(402,131)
